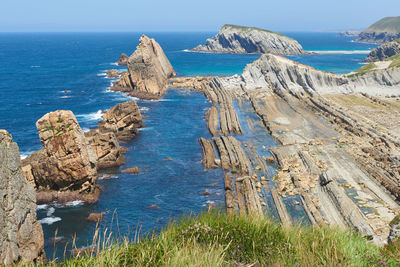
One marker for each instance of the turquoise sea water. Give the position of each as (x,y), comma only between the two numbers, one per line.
(43,72)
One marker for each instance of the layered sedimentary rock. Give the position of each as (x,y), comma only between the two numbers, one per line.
(123,119)
(148,71)
(112,74)
(243,40)
(349,33)
(123,60)
(22,235)
(66,163)
(273,73)
(384,51)
(382,31)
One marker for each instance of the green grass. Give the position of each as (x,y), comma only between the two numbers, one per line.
(363,70)
(245,28)
(215,239)
(395,61)
(388,24)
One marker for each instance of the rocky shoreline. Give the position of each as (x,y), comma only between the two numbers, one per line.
(331,154)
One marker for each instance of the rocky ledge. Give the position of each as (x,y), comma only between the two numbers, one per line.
(22,235)
(244,40)
(123,60)
(382,31)
(384,51)
(148,71)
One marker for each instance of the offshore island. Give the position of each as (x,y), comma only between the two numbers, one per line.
(337,159)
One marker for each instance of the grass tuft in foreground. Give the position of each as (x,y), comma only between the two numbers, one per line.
(215,239)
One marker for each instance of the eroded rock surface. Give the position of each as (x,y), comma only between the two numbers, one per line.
(123,119)
(123,60)
(384,51)
(67,162)
(22,235)
(148,71)
(242,40)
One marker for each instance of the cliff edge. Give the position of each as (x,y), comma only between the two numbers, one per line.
(247,40)
(382,31)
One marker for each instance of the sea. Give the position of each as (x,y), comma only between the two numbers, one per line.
(44,72)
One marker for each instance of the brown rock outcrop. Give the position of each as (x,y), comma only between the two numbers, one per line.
(106,149)
(112,74)
(123,59)
(123,120)
(148,71)
(22,235)
(67,161)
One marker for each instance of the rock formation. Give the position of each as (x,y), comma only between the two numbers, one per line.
(384,51)
(67,163)
(382,31)
(106,148)
(349,33)
(148,71)
(243,40)
(112,74)
(123,119)
(123,60)
(22,235)
(274,73)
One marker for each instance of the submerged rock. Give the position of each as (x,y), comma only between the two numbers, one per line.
(148,71)
(123,60)
(67,161)
(22,234)
(243,40)
(112,74)
(95,217)
(123,119)
(133,170)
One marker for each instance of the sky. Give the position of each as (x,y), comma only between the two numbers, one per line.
(203,15)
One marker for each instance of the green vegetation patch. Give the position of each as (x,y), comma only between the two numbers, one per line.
(363,70)
(215,239)
(246,29)
(395,61)
(388,24)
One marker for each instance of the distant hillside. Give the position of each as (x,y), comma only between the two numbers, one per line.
(244,40)
(383,31)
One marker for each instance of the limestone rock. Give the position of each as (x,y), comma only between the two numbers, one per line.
(384,51)
(123,60)
(106,149)
(123,120)
(134,170)
(148,71)
(243,40)
(22,234)
(67,161)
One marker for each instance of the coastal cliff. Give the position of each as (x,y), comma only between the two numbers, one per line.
(382,31)
(148,71)
(272,73)
(22,235)
(384,51)
(244,40)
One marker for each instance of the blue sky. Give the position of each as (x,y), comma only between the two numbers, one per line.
(203,15)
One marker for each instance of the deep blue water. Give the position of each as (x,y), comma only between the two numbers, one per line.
(43,72)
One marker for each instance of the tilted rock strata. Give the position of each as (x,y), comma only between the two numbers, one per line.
(270,74)
(384,51)
(243,40)
(123,119)
(22,235)
(148,71)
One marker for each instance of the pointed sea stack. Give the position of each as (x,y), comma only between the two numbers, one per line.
(148,71)
(22,235)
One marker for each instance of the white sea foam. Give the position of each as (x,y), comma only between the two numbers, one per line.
(145,129)
(50,220)
(24,155)
(144,109)
(113,64)
(35,66)
(42,207)
(65,96)
(50,211)
(94,116)
(102,74)
(85,130)
(107,177)
(347,52)
(75,203)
